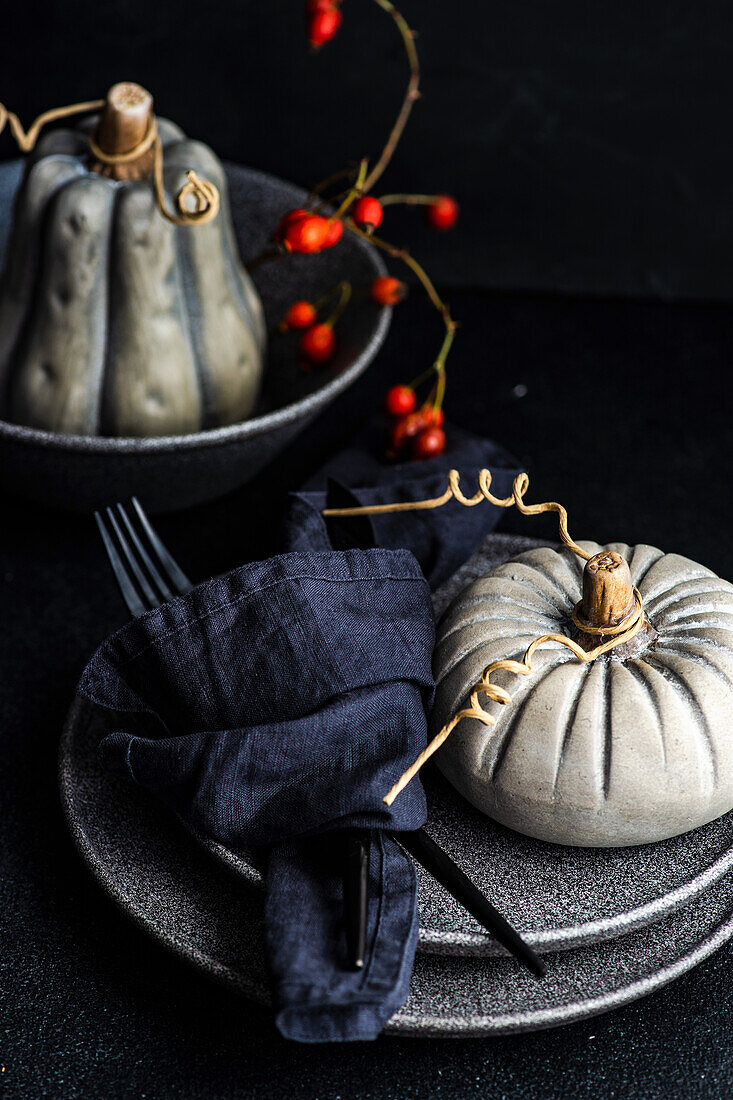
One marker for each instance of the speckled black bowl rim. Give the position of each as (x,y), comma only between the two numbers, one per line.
(256,425)
(411,1025)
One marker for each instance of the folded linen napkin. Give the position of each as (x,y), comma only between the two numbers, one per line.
(441,539)
(273,707)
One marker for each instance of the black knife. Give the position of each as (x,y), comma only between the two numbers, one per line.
(424,849)
(352,533)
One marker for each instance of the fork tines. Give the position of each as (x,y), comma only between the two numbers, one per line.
(144,570)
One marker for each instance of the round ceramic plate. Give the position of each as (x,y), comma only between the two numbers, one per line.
(558,897)
(174,890)
(168,472)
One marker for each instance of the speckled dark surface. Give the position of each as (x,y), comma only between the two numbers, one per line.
(176,471)
(634,918)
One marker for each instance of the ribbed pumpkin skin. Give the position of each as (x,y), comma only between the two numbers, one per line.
(113,321)
(615,752)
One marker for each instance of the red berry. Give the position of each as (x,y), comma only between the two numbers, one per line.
(368,213)
(299,315)
(434,418)
(317,343)
(307,234)
(323,19)
(397,439)
(403,430)
(443,213)
(428,443)
(288,219)
(387,291)
(335,233)
(399,401)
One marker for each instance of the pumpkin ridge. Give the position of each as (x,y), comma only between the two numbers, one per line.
(575,580)
(634,669)
(510,632)
(222,320)
(701,619)
(70,407)
(104,392)
(506,735)
(684,691)
(701,600)
(720,600)
(572,564)
(564,605)
(657,600)
(606,696)
(568,722)
(23,251)
(248,305)
(513,601)
(699,656)
(474,648)
(553,624)
(537,560)
(481,598)
(517,710)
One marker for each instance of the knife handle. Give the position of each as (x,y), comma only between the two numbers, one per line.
(356,896)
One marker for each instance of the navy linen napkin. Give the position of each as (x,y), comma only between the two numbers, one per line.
(441,539)
(273,707)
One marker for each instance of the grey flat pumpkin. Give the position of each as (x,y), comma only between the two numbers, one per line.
(624,750)
(113,321)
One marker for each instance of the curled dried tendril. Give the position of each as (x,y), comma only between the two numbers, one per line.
(205,196)
(617,635)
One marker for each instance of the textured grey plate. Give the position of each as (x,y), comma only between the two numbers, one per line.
(637,917)
(174,890)
(84,472)
(577,895)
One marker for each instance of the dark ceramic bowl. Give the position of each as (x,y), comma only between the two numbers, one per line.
(170,472)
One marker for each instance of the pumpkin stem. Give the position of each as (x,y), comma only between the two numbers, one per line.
(123,126)
(608,594)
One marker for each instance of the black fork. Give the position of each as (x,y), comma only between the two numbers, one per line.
(148,577)
(146,573)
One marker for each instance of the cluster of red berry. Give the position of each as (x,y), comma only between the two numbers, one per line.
(308,232)
(305,232)
(413,432)
(317,342)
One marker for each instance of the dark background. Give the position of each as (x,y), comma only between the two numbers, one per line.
(589,145)
(589,148)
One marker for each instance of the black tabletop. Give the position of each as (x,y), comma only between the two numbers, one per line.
(626,420)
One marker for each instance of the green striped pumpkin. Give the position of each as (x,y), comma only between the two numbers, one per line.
(113,321)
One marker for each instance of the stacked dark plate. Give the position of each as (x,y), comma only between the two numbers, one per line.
(614,924)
